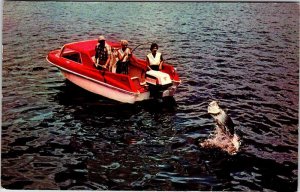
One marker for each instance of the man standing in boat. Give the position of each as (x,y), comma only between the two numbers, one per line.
(123,54)
(154,59)
(103,52)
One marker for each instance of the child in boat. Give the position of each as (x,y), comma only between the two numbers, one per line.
(154,59)
(103,52)
(123,55)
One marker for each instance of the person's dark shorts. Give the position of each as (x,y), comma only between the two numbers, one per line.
(122,67)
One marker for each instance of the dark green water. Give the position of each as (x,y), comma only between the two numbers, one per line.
(58,136)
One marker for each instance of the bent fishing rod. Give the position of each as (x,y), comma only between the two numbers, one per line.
(139,46)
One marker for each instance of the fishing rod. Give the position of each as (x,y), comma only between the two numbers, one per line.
(138,46)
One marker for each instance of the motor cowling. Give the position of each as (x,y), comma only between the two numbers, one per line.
(158,81)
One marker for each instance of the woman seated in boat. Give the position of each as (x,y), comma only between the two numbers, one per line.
(154,59)
(103,52)
(123,55)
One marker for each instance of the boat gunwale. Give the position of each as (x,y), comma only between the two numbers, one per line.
(94,80)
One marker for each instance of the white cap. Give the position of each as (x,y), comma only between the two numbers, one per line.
(101,37)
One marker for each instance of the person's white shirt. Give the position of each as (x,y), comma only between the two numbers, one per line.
(154,60)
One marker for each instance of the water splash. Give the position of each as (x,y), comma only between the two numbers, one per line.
(219,139)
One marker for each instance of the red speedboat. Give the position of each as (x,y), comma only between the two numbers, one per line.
(75,61)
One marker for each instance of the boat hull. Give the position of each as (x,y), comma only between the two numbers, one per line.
(101,88)
(110,92)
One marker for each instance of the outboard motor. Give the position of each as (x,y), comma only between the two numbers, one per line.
(158,82)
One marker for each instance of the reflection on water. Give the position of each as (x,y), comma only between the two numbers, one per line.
(58,136)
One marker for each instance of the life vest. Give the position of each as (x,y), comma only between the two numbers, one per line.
(102,53)
(154,60)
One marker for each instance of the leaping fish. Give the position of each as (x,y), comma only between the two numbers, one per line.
(224,137)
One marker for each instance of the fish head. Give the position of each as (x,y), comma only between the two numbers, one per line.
(214,108)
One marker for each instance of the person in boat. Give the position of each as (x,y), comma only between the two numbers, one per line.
(123,55)
(154,59)
(102,55)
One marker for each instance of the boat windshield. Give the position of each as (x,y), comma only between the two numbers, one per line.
(71,55)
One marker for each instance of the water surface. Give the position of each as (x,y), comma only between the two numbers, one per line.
(58,136)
